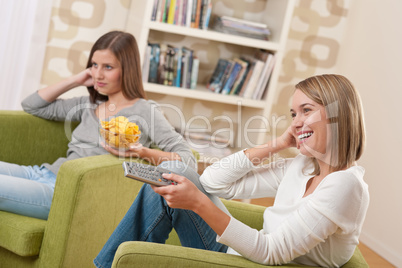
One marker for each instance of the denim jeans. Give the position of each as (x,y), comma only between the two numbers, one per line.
(151,219)
(26,190)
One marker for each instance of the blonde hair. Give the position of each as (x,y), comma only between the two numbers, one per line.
(345,113)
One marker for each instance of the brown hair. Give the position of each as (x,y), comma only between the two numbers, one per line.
(345,113)
(125,49)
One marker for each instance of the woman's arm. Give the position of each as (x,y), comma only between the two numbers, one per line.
(258,154)
(153,156)
(237,176)
(338,206)
(51,93)
(44,102)
(185,195)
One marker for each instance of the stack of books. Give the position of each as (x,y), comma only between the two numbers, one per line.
(188,13)
(240,27)
(246,77)
(210,146)
(170,66)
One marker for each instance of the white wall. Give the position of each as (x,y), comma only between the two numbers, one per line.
(371,56)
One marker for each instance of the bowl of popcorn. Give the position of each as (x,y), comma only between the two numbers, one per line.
(119,133)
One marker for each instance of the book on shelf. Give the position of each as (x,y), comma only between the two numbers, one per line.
(265,76)
(178,17)
(169,61)
(153,62)
(236,21)
(240,27)
(216,80)
(232,76)
(155,9)
(165,10)
(252,79)
(211,146)
(194,72)
(206,14)
(240,77)
(188,6)
(188,55)
(158,6)
(170,66)
(245,76)
(226,75)
(145,67)
(171,13)
(178,62)
(193,13)
(197,14)
(162,67)
(188,13)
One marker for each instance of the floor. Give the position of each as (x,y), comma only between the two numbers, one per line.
(373,259)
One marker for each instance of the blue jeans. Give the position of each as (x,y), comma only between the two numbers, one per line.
(26,190)
(151,219)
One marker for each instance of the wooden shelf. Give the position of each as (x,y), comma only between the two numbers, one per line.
(202,93)
(212,35)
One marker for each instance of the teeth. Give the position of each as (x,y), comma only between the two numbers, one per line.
(305,135)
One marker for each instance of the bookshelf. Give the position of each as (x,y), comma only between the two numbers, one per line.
(202,93)
(211,35)
(209,46)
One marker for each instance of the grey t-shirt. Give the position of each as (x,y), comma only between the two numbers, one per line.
(155,129)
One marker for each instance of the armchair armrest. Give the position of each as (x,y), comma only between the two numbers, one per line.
(145,254)
(249,214)
(30,140)
(91,197)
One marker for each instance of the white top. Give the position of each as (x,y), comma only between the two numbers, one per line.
(321,229)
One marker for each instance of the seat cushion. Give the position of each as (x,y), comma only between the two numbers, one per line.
(20,234)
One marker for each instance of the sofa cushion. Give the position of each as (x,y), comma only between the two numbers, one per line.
(20,234)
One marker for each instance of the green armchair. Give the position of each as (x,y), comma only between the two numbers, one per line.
(144,254)
(91,197)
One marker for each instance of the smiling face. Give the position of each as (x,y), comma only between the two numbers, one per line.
(310,126)
(106,72)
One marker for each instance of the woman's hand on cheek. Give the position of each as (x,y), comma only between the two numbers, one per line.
(288,139)
(183,195)
(84,78)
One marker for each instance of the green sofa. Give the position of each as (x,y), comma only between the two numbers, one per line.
(91,197)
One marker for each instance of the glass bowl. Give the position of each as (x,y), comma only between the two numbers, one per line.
(119,141)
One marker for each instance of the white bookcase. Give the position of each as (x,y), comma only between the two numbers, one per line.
(211,46)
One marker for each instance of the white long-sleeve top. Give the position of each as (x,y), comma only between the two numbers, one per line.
(321,229)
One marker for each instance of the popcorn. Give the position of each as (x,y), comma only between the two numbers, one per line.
(119,132)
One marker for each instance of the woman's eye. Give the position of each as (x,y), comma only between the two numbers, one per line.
(293,115)
(108,67)
(94,64)
(306,110)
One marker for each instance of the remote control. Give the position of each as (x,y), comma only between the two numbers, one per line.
(146,173)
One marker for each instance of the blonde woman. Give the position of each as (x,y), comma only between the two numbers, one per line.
(321,198)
